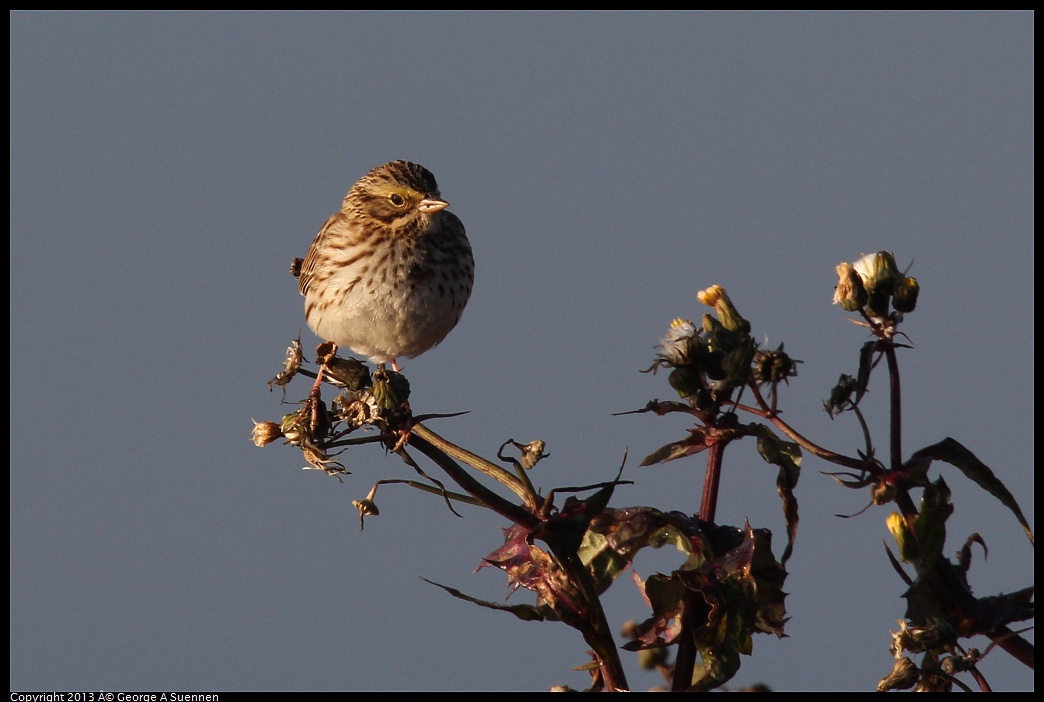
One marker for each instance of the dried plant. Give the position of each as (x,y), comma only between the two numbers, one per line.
(569,546)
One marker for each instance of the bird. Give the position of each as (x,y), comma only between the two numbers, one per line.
(390,274)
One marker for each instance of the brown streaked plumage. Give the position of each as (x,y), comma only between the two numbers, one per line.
(389,275)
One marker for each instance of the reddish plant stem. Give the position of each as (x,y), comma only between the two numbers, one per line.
(895,410)
(685,662)
(1011,643)
(813,448)
(597,632)
(895,431)
(712,481)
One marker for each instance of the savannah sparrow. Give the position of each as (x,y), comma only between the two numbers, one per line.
(389,275)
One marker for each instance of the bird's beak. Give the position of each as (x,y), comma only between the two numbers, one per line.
(431,205)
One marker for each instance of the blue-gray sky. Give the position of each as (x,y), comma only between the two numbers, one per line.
(165,168)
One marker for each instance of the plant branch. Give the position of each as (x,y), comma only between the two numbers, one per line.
(490,499)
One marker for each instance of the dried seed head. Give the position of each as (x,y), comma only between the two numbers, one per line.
(291,364)
(902,677)
(849,293)
(532,453)
(265,433)
(679,346)
(774,366)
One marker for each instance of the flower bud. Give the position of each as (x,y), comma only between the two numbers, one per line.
(367,507)
(390,389)
(877,304)
(905,540)
(295,427)
(318,459)
(904,297)
(736,363)
(349,373)
(686,381)
(716,297)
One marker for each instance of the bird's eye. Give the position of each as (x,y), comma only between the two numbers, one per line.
(397,200)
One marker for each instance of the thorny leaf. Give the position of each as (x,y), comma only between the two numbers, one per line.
(741,588)
(940,592)
(529,566)
(721,603)
(617,535)
(564,531)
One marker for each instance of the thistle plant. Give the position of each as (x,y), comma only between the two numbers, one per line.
(569,545)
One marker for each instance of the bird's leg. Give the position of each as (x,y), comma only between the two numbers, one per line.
(315,402)
(318,381)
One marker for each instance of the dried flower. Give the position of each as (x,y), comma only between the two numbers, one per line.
(265,433)
(678,347)
(849,293)
(902,677)
(774,366)
(532,453)
(291,364)
(878,272)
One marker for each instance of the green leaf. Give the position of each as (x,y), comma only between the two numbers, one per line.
(930,524)
(616,536)
(786,455)
(678,449)
(866,364)
(953,452)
